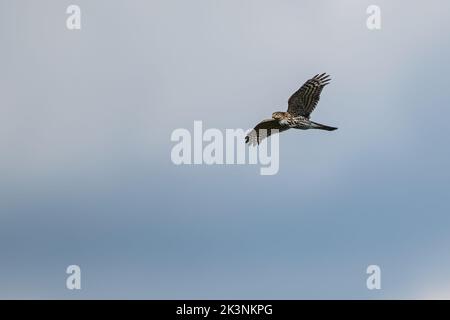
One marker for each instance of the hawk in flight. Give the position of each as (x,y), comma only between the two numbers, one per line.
(300,106)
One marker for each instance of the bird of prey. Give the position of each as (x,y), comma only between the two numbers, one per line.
(300,106)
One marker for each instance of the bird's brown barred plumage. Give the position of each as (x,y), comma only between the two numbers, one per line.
(300,106)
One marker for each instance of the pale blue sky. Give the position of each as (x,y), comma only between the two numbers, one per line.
(86,176)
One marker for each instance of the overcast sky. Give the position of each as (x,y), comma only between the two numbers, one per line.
(85,170)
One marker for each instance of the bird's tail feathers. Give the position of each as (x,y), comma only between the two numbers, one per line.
(322,126)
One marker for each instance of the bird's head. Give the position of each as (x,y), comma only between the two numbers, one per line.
(278,115)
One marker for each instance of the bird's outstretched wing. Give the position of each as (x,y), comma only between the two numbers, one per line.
(263,130)
(305,99)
